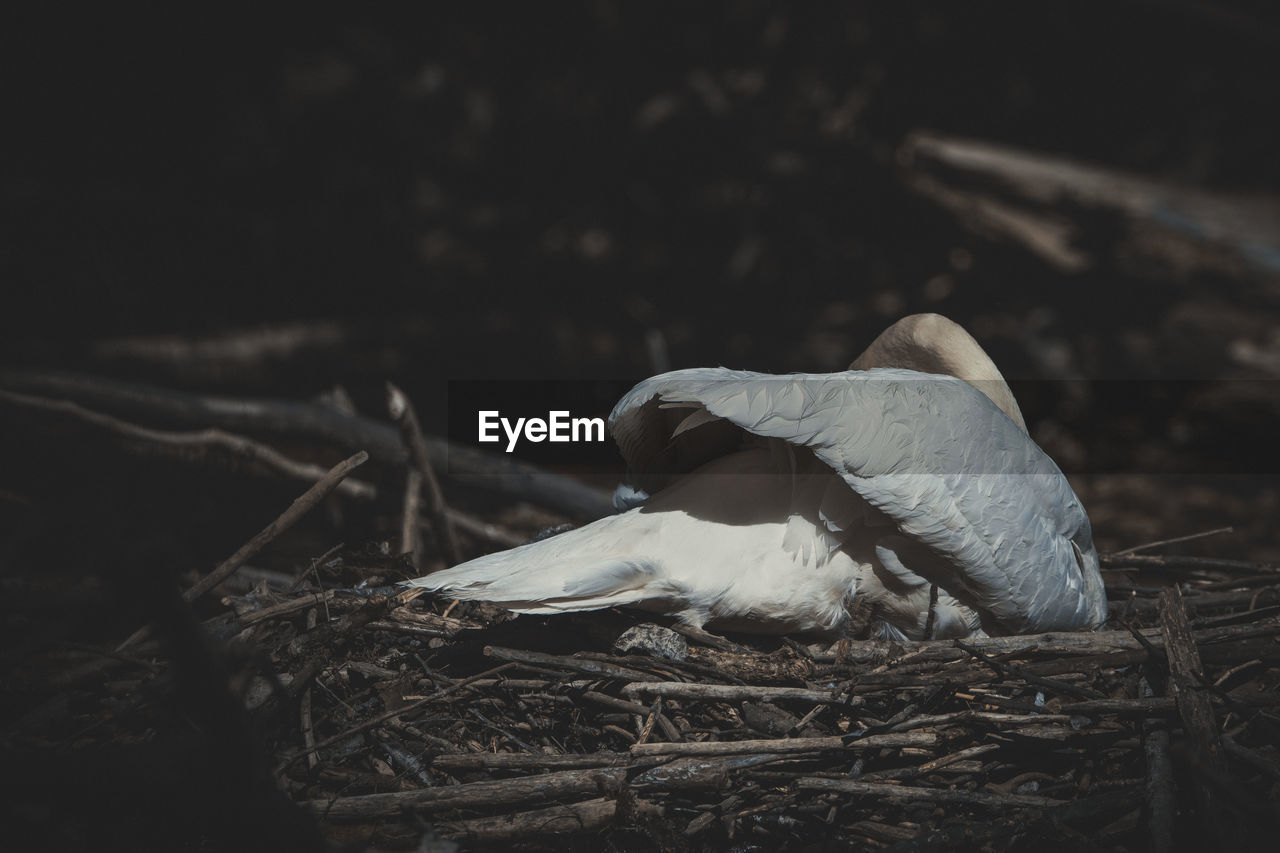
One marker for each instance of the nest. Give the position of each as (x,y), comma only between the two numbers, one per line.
(324,706)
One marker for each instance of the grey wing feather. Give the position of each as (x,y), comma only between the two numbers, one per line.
(932,453)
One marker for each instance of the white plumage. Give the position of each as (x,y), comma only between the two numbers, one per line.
(907,484)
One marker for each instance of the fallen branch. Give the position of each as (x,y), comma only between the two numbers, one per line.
(735,692)
(300,507)
(906,794)
(496,473)
(200,440)
(406,419)
(576,664)
(786,745)
(1187,683)
(587,817)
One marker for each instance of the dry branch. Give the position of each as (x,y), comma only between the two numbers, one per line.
(905,794)
(493,472)
(300,507)
(576,664)
(587,817)
(678,775)
(401,410)
(1187,683)
(735,692)
(781,746)
(201,439)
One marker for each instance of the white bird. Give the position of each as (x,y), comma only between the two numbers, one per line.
(907,486)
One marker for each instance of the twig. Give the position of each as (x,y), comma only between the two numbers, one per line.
(576,664)
(203,439)
(390,715)
(1253,759)
(406,419)
(934,764)
(300,507)
(1152,706)
(425,623)
(786,745)
(989,717)
(560,784)
(286,607)
(494,534)
(287,519)
(1161,793)
(736,692)
(1196,710)
(585,817)
(1174,540)
(930,652)
(409,543)
(308,733)
(531,761)
(906,794)
(1154,561)
(1004,669)
(304,706)
(494,472)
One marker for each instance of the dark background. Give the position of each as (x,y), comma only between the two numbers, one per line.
(553,192)
(535,191)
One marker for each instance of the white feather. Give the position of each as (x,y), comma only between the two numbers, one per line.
(920,493)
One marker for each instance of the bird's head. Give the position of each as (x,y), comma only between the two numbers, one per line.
(930,343)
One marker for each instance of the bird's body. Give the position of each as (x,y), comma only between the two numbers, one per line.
(780,503)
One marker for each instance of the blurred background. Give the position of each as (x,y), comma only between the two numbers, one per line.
(278,205)
(273,205)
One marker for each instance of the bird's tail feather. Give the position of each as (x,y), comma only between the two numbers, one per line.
(525,581)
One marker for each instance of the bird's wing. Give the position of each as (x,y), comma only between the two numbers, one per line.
(931,452)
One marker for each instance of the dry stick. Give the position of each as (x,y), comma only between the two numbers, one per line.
(287,519)
(1161,792)
(544,786)
(411,434)
(1246,582)
(988,717)
(1053,643)
(528,761)
(668,728)
(1152,706)
(905,794)
(308,733)
(409,543)
(590,667)
(1196,711)
(786,745)
(677,775)
(589,816)
(300,507)
(492,533)
(1201,535)
(1153,561)
(735,692)
(616,704)
(337,636)
(430,623)
(1253,759)
(237,445)
(495,472)
(286,607)
(391,715)
(932,765)
(1003,669)
(304,716)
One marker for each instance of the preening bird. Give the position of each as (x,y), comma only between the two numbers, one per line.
(905,488)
